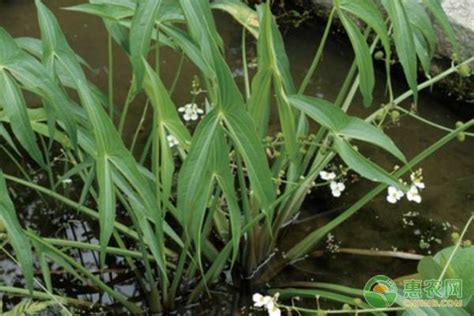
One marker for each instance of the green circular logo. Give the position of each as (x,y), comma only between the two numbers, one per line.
(380,291)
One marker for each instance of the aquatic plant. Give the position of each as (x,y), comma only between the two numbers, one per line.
(215,196)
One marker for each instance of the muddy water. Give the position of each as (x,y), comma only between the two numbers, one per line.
(449,175)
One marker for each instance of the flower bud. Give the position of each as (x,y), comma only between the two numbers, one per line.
(464,70)
(379,55)
(455,237)
(395,116)
(461,137)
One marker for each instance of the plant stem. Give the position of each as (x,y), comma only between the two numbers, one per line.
(433,80)
(352,311)
(178,73)
(319,54)
(140,126)
(95,247)
(421,119)
(244,64)
(456,247)
(44,296)
(126,106)
(375,253)
(111,75)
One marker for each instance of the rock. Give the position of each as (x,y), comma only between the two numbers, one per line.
(461,16)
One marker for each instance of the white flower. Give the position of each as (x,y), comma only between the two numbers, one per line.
(337,188)
(67,181)
(267,302)
(327,175)
(417,180)
(172,141)
(414,195)
(261,301)
(394,195)
(274,311)
(190,111)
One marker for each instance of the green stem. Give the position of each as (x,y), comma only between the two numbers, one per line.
(244,64)
(351,311)
(456,247)
(111,75)
(319,54)
(433,80)
(140,126)
(421,119)
(178,73)
(44,296)
(126,107)
(96,247)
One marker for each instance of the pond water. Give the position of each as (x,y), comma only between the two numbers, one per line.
(448,199)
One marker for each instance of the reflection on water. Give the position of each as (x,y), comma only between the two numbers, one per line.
(449,175)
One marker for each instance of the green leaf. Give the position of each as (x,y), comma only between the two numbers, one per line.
(189,47)
(195,181)
(240,12)
(16,235)
(259,102)
(200,21)
(363,58)
(104,174)
(422,51)
(225,179)
(273,58)
(14,105)
(244,135)
(341,124)
(167,114)
(460,267)
(107,202)
(404,42)
(6,136)
(55,46)
(35,78)
(367,11)
(111,149)
(437,10)
(143,23)
(167,123)
(109,11)
(194,177)
(424,34)
(362,130)
(362,165)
